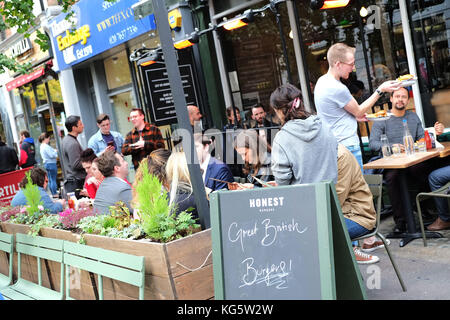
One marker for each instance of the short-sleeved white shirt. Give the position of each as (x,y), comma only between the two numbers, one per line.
(330,98)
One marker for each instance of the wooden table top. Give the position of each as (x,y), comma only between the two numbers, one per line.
(402,161)
(446,151)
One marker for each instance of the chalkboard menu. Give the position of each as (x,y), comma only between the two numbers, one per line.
(158,91)
(273,243)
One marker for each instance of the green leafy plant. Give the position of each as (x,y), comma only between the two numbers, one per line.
(47,220)
(156,214)
(33,196)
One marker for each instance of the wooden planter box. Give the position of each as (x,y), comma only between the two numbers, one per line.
(180,269)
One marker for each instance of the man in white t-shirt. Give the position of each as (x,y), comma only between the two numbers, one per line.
(336,105)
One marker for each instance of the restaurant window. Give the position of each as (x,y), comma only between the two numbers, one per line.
(41,94)
(255,53)
(117,70)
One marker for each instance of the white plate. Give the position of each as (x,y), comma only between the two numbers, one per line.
(380,118)
(408,83)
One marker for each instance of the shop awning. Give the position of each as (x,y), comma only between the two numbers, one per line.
(20,81)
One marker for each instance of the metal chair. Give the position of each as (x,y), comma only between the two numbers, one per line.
(439,193)
(375,182)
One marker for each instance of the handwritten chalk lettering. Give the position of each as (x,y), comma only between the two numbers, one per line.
(235,234)
(271,230)
(273,275)
(266,202)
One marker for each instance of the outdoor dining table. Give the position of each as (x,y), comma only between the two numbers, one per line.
(402,162)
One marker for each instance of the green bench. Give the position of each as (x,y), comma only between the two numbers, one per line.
(105,263)
(41,248)
(101,262)
(7,246)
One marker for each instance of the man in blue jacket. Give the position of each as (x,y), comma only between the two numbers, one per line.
(211,167)
(105,139)
(27,150)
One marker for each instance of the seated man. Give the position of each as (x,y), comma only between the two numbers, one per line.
(211,167)
(437,179)
(393,128)
(38,177)
(114,187)
(357,204)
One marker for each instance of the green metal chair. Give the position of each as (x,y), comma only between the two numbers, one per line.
(375,182)
(43,249)
(439,193)
(105,263)
(7,246)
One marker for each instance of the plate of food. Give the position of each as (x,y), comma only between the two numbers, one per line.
(378,116)
(406,80)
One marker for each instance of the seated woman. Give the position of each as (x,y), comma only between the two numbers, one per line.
(179,181)
(156,163)
(305,149)
(87,156)
(38,177)
(94,181)
(253,151)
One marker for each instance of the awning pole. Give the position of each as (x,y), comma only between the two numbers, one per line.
(411,58)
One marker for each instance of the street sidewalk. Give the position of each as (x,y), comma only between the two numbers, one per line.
(425,270)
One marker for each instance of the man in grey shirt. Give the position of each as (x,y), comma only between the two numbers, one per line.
(114,188)
(393,128)
(334,102)
(74,172)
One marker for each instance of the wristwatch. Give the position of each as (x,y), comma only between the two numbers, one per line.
(380,93)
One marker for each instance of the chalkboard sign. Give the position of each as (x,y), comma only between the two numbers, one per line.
(158,91)
(273,243)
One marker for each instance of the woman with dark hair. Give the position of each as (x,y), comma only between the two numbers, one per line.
(91,183)
(38,177)
(305,149)
(253,150)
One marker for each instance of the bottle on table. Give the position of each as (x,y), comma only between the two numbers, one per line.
(408,141)
(385,147)
(428,140)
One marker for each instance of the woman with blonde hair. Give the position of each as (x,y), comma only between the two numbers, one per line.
(179,181)
(156,163)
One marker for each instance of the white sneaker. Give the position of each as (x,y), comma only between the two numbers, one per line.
(364,258)
(374,246)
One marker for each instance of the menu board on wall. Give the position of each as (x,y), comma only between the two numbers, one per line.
(159,94)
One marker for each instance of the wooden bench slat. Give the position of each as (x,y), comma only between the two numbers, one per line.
(113,257)
(111,271)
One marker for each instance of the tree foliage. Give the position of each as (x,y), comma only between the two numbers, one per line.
(19,14)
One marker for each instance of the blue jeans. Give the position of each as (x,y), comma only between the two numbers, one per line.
(52,171)
(437,179)
(355,230)
(356,151)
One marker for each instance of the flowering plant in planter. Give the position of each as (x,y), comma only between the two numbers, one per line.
(69,218)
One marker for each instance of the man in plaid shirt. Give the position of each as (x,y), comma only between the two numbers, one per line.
(143,139)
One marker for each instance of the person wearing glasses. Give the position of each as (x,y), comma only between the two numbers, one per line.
(335,104)
(105,139)
(38,177)
(143,139)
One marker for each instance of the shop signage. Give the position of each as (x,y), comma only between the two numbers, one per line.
(281,243)
(20,81)
(95,27)
(158,89)
(20,47)
(9,184)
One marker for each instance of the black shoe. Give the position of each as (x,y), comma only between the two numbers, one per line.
(399,229)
